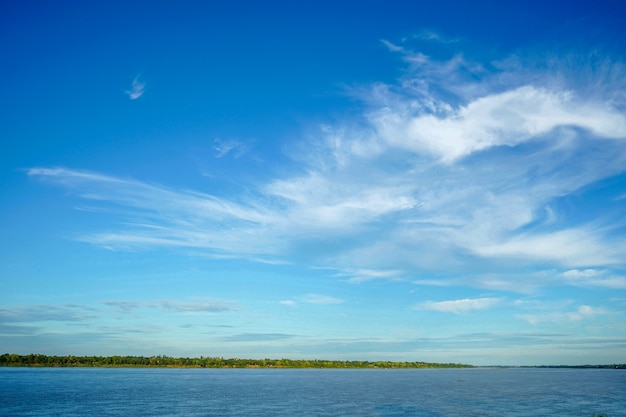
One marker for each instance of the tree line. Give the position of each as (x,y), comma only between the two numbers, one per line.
(39,360)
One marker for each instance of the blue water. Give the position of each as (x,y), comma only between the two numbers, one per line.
(312,392)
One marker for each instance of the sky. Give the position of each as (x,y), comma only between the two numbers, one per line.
(371,180)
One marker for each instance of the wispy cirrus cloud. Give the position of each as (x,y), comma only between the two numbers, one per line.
(320,299)
(504,119)
(456,165)
(137,89)
(363,275)
(17,330)
(460,306)
(46,312)
(258,337)
(583,312)
(196,306)
(593,278)
(429,35)
(231,147)
(556,246)
(184,219)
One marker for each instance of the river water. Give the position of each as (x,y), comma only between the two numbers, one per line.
(312,392)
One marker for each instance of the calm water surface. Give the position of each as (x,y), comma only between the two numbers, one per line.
(311,392)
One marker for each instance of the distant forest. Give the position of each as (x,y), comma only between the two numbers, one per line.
(38,360)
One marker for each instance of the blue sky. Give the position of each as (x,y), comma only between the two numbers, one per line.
(339,180)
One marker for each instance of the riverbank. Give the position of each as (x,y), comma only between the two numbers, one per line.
(39,360)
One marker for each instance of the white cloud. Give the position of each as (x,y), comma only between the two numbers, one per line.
(429,35)
(615,282)
(453,167)
(196,306)
(320,299)
(573,247)
(322,201)
(229,147)
(583,312)
(137,89)
(433,282)
(593,278)
(46,312)
(508,118)
(362,275)
(581,273)
(169,218)
(460,306)
(392,47)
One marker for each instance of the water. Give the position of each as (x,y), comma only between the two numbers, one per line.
(312,392)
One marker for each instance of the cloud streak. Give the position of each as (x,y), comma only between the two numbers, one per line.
(258,337)
(462,306)
(229,147)
(137,89)
(583,312)
(593,278)
(320,299)
(504,119)
(39,313)
(204,306)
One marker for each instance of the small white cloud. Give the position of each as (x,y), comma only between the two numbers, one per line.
(429,35)
(226,147)
(593,277)
(581,273)
(611,282)
(432,282)
(392,47)
(363,275)
(289,303)
(459,306)
(415,58)
(583,312)
(320,299)
(211,306)
(574,247)
(137,89)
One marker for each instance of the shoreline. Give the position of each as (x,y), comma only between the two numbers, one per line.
(160,361)
(116,361)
